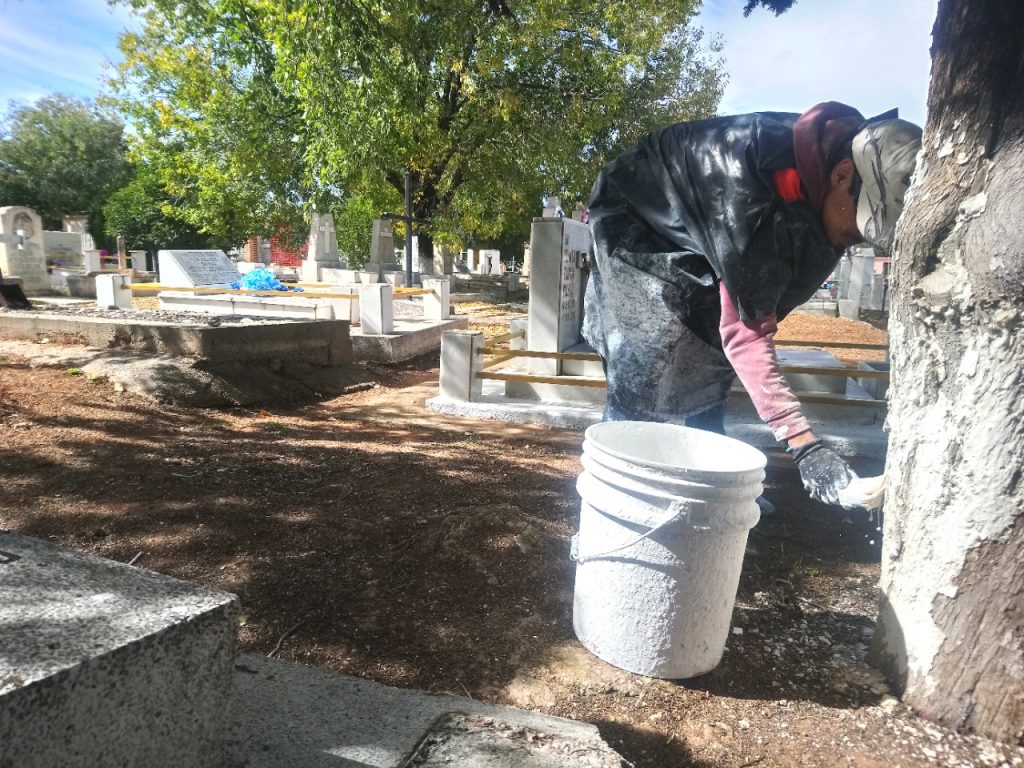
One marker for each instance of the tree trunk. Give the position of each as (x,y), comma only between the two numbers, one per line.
(951,630)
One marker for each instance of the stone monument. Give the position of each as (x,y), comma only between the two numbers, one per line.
(78,224)
(558,279)
(21,248)
(190,269)
(444,261)
(490,262)
(382,250)
(322,253)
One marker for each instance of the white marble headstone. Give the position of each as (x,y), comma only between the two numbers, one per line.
(196,268)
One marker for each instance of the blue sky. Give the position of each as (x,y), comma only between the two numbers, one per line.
(51,46)
(871,54)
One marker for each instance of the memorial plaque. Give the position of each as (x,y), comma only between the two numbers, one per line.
(196,268)
(570,300)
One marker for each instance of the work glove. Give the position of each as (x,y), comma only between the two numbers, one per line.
(823,471)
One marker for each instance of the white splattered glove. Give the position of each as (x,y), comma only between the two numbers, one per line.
(823,471)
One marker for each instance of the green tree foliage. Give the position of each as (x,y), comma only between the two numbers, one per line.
(254,109)
(212,125)
(142,211)
(60,156)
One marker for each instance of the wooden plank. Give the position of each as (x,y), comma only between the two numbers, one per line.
(822,344)
(588,356)
(597,383)
(852,372)
(156,287)
(569,381)
(591,357)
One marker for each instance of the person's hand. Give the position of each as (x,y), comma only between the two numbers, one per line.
(823,471)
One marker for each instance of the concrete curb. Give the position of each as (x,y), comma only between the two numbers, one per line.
(288,714)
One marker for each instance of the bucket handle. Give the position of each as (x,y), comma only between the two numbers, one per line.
(677,510)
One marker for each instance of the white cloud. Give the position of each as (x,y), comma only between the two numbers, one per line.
(57,45)
(871,54)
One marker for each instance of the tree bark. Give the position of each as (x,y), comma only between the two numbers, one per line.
(951,629)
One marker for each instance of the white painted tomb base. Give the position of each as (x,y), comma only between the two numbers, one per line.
(261,306)
(857,428)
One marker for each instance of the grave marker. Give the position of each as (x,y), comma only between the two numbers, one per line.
(196,268)
(558,251)
(323,249)
(21,248)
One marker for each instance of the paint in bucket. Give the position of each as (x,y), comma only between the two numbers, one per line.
(664,519)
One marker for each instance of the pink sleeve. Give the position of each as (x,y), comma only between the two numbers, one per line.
(750,348)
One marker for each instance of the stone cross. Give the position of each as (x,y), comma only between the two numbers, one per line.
(323,241)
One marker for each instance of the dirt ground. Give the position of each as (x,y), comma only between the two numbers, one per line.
(366,535)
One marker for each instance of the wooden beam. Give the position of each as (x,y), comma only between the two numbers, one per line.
(834,344)
(852,372)
(569,381)
(588,356)
(156,287)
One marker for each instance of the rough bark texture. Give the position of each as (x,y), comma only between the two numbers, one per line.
(951,630)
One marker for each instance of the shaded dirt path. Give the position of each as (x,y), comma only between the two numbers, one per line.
(380,541)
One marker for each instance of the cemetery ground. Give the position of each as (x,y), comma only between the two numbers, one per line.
(365,535)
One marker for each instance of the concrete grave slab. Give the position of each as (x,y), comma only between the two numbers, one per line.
(407,339)
(102,664)
(319,342)
(289,715)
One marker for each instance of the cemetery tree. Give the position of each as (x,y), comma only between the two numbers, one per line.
(215,131)
(143,212)
(950,633)
(489,105)
(951,629)
(60,156)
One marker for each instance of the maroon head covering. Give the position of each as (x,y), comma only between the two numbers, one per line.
(817,133)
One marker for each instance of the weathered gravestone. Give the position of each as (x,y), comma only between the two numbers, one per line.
(861,275)
(558,278)
(21,248)
(382,251)
(192,269)
(322,253)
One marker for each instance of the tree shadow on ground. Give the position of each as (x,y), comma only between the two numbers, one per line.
(412,550)
(648,747)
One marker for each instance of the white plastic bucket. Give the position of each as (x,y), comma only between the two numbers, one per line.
(664,519)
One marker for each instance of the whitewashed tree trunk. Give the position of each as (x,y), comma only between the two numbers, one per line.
(951,630)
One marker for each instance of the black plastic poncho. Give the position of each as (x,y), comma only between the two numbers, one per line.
(685,207)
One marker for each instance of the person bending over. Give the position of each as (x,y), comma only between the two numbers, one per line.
(707,234)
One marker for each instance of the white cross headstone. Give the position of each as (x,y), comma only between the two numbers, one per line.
(189,269)
(323,240)
(322,252)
